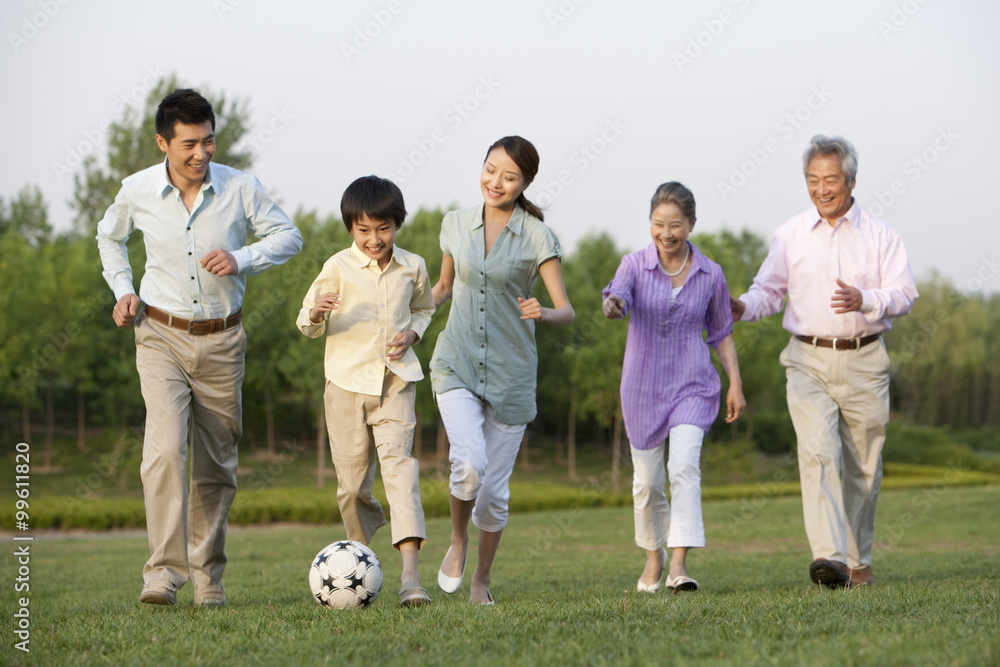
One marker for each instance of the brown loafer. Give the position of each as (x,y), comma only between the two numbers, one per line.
(862,576)
(829,573)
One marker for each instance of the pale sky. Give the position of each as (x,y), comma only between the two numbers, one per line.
(618,97)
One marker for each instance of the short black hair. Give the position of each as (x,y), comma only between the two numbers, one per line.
(184,106)
(378,198)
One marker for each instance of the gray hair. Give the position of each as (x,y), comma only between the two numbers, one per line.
(822,145)
(674,193)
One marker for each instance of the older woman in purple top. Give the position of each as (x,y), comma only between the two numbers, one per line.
(670,389)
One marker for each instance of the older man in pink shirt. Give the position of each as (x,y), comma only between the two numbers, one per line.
(846,275)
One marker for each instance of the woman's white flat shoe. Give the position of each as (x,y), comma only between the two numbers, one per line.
(681,583)
(451,584)
(655,586)
(647,588)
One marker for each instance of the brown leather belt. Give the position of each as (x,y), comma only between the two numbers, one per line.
(195,327)
(839,343)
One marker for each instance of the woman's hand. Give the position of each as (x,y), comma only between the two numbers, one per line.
(613,307)
(735,403)
(530,309)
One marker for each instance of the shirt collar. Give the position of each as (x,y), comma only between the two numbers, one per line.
(364,261)
(515,224)
(166,187)
(650,259)
(853,216)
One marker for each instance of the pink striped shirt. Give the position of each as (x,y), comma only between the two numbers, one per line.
(806,258)
(667,377)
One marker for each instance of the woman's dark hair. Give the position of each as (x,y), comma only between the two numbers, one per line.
(674,193)
(378,198)
(524,155)
(183,106)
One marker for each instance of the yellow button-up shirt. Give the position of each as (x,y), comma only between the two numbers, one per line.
(375,305)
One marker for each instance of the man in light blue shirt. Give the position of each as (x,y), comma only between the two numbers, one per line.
(190,345)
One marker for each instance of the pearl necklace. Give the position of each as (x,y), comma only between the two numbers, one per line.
(683,264)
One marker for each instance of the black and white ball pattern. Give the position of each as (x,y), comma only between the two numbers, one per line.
(345,575)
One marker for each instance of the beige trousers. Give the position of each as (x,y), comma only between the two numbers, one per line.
(362,427)
(839,404)
(192,389)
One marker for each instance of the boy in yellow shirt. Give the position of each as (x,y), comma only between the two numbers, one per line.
(373,301)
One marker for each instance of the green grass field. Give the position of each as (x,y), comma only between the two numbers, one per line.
(564,583)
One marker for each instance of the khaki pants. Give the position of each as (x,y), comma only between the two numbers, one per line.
(361,427)
(839,404)
(192,389)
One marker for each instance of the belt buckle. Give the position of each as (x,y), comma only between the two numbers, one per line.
(191,324)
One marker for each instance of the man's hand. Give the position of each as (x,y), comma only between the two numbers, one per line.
(737,307)
(125,310)
(220,263)
(847,299)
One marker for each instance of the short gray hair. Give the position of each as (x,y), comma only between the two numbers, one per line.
(823,145)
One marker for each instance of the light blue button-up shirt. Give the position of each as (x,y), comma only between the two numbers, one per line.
(486,347)
(231,204)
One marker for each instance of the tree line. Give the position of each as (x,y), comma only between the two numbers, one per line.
(66,369)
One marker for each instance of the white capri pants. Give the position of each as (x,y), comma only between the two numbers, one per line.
(655,524)
(482,452)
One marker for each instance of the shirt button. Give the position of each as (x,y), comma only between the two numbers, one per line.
(481,309)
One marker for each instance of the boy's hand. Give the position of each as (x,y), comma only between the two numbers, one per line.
(324,304)
(403,341)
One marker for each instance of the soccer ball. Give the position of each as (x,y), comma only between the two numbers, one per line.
(344,575)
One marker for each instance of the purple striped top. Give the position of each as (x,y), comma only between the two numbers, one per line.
(668,377)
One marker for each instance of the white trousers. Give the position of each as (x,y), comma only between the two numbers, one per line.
(482,452)
(655,524)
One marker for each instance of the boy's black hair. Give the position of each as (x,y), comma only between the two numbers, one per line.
(378,198)
(184,106)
